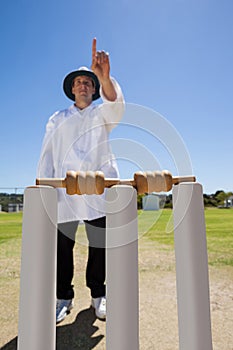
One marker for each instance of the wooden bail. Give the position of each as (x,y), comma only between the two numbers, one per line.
(153,181)
(71,183)
(141,183)
(91,182)
(80,182)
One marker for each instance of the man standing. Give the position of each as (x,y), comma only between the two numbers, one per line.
(77,139)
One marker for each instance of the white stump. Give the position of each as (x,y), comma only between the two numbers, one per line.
(122,323)
(191,268)
(37,309)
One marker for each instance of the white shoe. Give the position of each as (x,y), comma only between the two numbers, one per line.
(99,304)
(63,308)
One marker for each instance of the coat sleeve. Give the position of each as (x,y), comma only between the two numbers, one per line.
(112,111)
(45,166)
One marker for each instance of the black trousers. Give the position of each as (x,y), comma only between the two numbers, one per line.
(95,270)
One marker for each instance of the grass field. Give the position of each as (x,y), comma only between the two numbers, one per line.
(157,283)
(153,225)
(219,232)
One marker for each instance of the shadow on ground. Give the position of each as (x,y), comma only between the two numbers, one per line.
(76,336)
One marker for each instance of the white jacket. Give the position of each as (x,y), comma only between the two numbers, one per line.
(79,140)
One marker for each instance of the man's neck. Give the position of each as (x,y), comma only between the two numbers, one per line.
(82,104)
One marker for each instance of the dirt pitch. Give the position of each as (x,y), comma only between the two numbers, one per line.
(158,311)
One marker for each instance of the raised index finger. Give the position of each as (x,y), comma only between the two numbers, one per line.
(93,48)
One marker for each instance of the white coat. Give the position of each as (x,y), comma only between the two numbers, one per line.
(79,140)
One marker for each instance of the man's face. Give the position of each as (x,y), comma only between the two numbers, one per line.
(83,87)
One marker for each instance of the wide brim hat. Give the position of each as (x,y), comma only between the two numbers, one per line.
(68,82)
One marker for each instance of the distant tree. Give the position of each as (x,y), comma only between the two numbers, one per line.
(139,201)
(216,199)
(6,198)
(168,202)
(209,200)
(228,194)
(220,197)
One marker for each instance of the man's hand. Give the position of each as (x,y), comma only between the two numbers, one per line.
(100,63)
(101,67)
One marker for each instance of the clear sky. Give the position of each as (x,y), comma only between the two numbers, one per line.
(173,59)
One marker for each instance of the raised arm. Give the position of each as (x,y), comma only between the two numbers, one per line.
(101,67)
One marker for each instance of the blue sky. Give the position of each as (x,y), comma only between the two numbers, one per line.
(173,58)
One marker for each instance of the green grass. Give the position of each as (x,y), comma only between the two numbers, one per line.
(156,226)
(219,233)
(10,226)
(153,225)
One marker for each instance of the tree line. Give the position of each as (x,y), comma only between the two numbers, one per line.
(216,199)
(12,198)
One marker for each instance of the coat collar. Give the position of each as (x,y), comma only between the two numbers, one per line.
(73,109)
